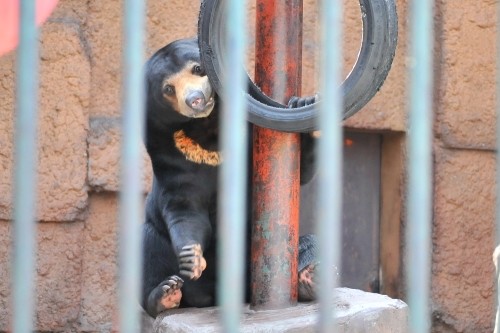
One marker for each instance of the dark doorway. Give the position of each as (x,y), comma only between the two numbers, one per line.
(361,211)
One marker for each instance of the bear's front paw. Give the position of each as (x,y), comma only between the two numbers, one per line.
(191,261)
(297,102)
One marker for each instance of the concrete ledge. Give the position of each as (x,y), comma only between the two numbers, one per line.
(356,311)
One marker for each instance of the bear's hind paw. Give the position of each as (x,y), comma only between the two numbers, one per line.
(167,295)
(171,292)
(307,285)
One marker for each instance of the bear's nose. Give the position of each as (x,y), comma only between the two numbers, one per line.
(196,100)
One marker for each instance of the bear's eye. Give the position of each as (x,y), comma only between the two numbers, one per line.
(168,89)
(197,69)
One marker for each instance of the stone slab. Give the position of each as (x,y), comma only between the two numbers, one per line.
(356,311)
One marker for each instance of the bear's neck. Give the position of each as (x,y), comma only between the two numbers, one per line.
(202,133)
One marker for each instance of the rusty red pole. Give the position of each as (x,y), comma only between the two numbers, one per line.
(276,158)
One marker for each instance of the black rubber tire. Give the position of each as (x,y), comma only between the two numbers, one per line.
(380,34)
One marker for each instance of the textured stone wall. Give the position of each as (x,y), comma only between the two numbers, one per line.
(464,165)
(79,150)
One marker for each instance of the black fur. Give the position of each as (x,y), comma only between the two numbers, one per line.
(181,207)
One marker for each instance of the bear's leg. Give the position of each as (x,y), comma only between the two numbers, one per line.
(199,293)
(308,262)
(161,286)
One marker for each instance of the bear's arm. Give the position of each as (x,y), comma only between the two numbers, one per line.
(184,208)
(185,214)
(187,225)
(308,142)
(183,193)
(308,165)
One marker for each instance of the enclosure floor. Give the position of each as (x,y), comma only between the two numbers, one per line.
(355,311)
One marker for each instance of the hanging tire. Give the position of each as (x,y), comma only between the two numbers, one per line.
(380,33)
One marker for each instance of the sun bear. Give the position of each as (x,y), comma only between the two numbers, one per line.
(182,140)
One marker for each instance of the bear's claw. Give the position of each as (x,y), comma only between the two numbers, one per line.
(191,261)
(173,282)
(297,102)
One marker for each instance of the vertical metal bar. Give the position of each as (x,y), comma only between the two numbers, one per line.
(420,165)
(131,214)
(232,201)
(330,159)
(25,171)
(276,176)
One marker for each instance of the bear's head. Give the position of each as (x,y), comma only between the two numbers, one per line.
(177,85)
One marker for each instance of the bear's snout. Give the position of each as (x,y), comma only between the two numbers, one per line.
(196,100)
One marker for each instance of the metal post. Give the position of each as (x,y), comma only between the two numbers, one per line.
(420,165)
(131,214)
(25,171)
(276,184)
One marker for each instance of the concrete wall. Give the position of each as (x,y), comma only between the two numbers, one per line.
(79,130)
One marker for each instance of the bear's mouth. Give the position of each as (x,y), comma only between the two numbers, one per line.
(207,109)
(210,102)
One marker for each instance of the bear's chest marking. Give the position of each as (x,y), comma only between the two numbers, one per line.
(194,152)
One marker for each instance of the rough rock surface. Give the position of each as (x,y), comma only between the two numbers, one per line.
(463,240)
(466,108)
(58,275)
(63,125)
(356,311)
(99,268)
(104,156)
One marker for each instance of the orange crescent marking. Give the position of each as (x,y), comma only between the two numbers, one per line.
(194,152)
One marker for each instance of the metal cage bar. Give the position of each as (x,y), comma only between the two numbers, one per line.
(25,171)
(330,159)
(232,201)
(130,211)
(419,219)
